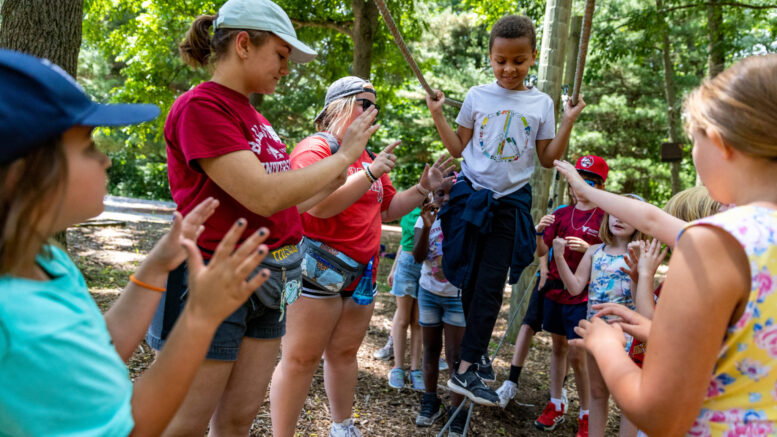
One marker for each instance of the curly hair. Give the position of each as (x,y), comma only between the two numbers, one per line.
(513,26)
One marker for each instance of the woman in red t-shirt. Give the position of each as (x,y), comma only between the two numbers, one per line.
(219,146)
(349,222)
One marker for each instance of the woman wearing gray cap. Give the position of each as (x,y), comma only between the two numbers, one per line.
(219,146)
(342,242)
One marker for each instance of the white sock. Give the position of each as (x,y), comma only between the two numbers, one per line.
(583,413)
(556,403)
(344,423)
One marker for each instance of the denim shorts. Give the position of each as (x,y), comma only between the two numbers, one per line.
(406,276)
(434,310)
(252,320)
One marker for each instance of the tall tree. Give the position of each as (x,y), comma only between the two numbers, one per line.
(670,90)
(48,29)
(45,28)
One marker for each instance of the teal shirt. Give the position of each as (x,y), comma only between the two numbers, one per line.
(408,229)
(59,371)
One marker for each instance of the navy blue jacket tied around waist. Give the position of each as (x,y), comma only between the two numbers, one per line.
(468,214)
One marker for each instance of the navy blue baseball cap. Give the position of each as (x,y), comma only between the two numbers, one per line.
(39,101)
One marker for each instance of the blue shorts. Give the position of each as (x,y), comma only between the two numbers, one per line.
(406,276)
(434,310)
(252,320)
(561,319)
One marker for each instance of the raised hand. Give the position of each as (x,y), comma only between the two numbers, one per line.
(572,112)
(545,221)
(428,214)
(358,133)
(168,253)
(573,177)
(559,244)
(651,256)
(632,258)
(577,244)
(385,160)
(434,176)
(218,289)
(435,102)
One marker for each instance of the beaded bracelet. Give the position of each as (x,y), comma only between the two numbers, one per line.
(368,173)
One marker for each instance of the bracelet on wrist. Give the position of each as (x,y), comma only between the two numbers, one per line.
(424,192)
(142,284)
(540,233)
(368,172)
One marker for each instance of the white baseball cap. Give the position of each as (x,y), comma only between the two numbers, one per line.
(263,15)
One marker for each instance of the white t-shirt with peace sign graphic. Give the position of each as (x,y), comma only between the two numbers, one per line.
(506,125)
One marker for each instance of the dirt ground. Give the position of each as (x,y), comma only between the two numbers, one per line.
(108,254)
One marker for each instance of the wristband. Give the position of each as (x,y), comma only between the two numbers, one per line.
(540,233)
(144,285)
(368,173)
(424,192)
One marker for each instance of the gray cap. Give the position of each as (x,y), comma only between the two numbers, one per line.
(344,87)
(263,15)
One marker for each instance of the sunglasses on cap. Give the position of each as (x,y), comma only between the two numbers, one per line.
(366,103)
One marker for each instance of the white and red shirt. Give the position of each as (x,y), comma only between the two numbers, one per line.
(212,120)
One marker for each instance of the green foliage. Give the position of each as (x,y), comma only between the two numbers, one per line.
(129,54)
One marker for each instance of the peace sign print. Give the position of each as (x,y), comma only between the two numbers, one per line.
(504,136)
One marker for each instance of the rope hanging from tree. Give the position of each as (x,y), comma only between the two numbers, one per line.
(585,36)
(406,52)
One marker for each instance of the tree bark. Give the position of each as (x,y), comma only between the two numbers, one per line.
(572,47)
(672,113)
(48,29)
(365,25)
(554,37)
(716,59)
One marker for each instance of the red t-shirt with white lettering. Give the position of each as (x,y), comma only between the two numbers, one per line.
(209,121)
(356,230)
(571,222)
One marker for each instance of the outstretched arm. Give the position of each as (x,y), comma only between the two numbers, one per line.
(707,282)
(647,218)
(243,176)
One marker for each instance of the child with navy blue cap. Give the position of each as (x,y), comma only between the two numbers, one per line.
(63,363)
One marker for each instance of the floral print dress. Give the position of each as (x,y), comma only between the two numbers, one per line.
(742,396)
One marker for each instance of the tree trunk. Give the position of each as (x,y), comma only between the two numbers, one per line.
(554,37)
(672,113)
(716,58)
(365,25)
(572,48)
(48,29)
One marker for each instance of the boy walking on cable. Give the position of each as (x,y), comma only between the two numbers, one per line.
(487,223)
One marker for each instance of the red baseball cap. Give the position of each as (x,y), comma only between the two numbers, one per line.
(593,164)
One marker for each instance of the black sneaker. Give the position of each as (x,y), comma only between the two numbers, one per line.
(470,385)
(459,422)
(430,410)
(485,370)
